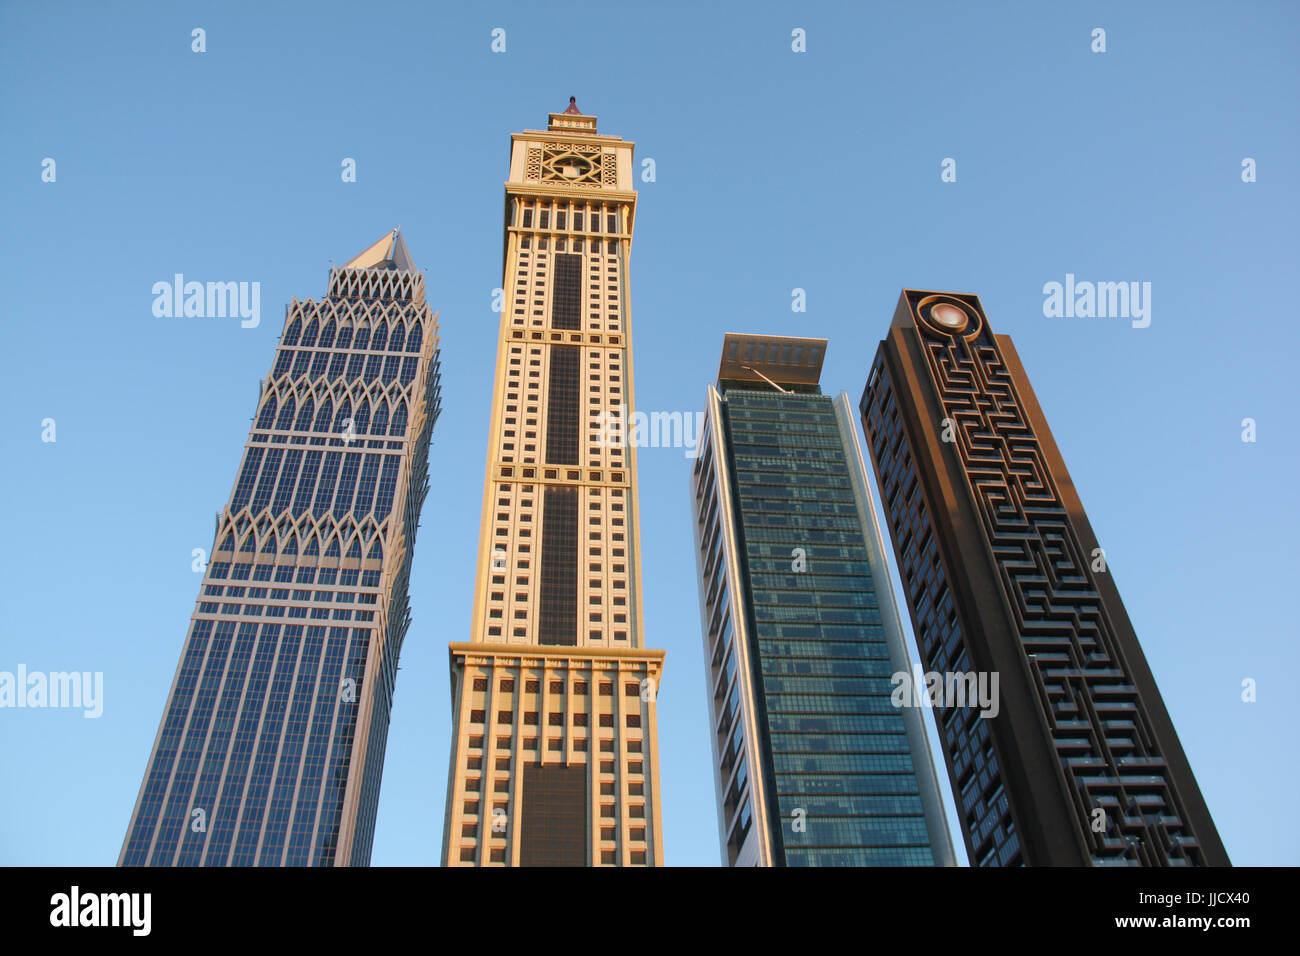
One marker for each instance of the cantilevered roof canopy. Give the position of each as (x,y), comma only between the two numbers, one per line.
(785,360)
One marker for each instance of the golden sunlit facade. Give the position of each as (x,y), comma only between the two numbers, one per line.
(554,754)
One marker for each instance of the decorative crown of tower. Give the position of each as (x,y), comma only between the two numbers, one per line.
(572,118)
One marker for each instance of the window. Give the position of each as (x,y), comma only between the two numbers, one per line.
(558,588)
(566,297)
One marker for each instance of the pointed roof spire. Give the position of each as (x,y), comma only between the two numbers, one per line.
(572,119)
(390,252)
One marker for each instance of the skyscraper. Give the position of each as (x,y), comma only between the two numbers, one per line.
(554,747)
(813,763)
(271,746)
(1003,575)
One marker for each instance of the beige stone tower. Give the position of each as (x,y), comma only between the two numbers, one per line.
(554,757)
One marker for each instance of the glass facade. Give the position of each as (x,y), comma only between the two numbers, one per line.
(809,746)
(271,747)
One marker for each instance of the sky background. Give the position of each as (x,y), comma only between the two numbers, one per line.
(775,170)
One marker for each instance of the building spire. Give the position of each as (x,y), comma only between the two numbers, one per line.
(572,119)
(390,252)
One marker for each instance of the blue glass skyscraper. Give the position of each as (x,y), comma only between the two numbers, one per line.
(813,763)
(272,740)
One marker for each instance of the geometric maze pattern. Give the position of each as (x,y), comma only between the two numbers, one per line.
(573,164)
(983,803)
(271,747)
(1103,736)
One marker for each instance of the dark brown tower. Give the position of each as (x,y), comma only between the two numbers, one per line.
(1003,574)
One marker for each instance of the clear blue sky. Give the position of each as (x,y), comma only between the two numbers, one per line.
(775,171)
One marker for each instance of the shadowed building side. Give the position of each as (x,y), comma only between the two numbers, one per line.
(1004,576)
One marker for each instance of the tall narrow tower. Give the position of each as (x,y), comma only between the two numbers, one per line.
(271,746)
(554,751)
(813,764)
(1081,765)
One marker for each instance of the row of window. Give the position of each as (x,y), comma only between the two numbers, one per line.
(343,577)
(567,216)
(327,335)
(532,718)
(322,420)
(580,688)
(283,594)
(631,744)
(276,610)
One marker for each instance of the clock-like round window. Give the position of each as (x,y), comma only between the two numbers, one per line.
(949,316)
